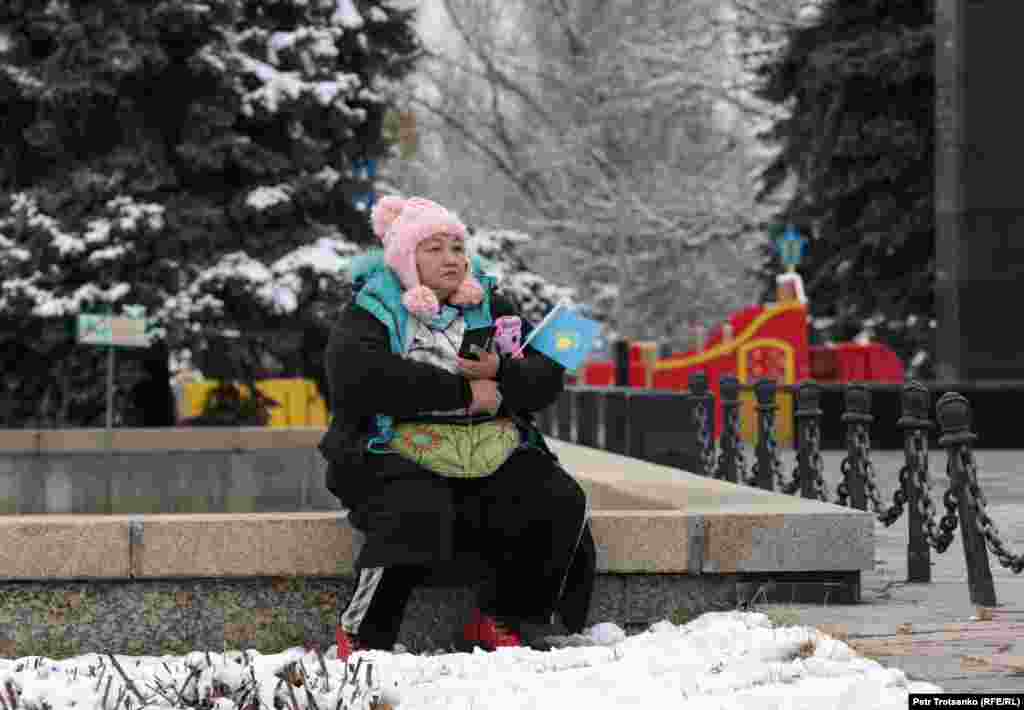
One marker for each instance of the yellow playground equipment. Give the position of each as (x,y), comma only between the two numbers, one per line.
(299,401)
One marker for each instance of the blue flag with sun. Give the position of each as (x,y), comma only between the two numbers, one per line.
(565,336)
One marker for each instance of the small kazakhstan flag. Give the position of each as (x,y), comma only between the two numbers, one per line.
(564,336)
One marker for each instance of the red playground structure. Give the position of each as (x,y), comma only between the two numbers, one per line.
(768,340)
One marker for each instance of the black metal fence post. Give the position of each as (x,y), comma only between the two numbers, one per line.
(954,414)
(563,414)
(730,458)
(616,421)
(916,423)
(620,350)
(808,457)
(586,406)
(767,451)
(857,418)
(703,414)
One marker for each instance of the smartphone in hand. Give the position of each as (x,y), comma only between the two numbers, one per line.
(472,350)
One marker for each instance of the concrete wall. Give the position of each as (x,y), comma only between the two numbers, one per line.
(162,471)
(76,472)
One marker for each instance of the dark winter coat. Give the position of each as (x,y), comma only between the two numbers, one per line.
(371,383)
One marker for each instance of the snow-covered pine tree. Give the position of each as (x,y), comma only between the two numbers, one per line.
(858,149)
(196,158)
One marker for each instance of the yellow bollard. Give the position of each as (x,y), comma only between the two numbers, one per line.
(649,355)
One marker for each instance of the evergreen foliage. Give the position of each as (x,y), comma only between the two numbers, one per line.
(856,162)
(196,158)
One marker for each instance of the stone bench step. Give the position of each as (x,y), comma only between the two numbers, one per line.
(646,519)
(670,545)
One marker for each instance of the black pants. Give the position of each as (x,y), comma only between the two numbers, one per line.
(526,521)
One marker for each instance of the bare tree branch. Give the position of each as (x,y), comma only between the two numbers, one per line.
(560,10)
(628,134)
(493,72)
(496,158)
(518,67)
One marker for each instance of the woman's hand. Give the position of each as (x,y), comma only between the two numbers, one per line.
(486,368)
(486,397)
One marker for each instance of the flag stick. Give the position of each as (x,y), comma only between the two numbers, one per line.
(540,327)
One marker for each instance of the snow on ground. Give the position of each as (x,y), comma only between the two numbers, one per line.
(722,660)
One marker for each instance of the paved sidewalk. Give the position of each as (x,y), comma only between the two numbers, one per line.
(931,631)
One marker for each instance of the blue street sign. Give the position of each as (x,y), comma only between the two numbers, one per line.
(791,247)
(365,170)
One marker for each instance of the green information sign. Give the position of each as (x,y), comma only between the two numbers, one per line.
(106,329)
(113,331)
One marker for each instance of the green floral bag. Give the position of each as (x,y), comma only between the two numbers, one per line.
(457,450)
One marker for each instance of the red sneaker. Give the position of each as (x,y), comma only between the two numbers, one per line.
(490,634)
(346,644)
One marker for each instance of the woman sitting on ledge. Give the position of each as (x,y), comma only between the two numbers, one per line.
(432,447)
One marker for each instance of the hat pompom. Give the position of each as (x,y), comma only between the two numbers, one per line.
(421,301)
(384,214)
(469,292)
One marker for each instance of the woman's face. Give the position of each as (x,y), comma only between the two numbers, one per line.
(441,261)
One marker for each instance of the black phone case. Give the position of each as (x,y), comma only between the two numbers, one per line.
(479,337)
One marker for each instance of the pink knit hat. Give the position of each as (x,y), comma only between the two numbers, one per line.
(402,224)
